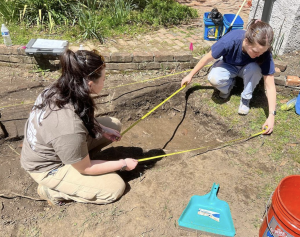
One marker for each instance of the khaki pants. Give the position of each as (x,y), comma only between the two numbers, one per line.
(66,183)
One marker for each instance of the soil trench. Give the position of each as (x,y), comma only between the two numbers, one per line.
(158,190)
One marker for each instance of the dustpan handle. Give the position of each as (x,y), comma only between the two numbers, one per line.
(213,192)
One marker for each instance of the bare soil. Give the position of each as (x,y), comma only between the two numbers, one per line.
(158,190)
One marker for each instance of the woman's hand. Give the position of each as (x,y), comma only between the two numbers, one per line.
(186,80)
(111,134)
(269,124)
(131,163)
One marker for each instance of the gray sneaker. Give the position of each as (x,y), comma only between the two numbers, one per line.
(226,96)
(44,194)
(244,106)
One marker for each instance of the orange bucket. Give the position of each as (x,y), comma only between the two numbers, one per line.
(283,217)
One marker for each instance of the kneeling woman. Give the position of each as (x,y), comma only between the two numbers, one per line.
(245,54)
(62,129)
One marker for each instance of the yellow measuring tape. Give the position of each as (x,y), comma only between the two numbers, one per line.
(153,110)
(152,79)
(179,152)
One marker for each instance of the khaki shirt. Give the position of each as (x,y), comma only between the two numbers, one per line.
(53,138)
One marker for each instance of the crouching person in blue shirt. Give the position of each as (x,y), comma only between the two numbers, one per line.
(246,54)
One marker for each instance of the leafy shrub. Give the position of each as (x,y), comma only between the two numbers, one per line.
(33,11)
(167,12)
(94,18)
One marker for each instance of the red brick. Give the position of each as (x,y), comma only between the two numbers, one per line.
(183,56)
(160,35)
(149,66)
(21,51)
(148,37)
(122,42)
(28,60)
(16,59)
(139,57)
(122,66)
(168,65)
(14,49)
(121,57)
(4,58)
(187,65)
(132,43)
(179,43)
(163,57)
(158,39)
(4,49)
(169,41)
(113,49)
(170,36)
(191,40)
(5,64)
(106,57)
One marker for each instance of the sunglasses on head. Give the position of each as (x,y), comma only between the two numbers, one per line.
(102,61)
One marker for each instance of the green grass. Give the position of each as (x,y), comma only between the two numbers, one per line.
(282,144)
(21,34)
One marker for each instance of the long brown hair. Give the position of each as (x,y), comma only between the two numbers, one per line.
(72,86)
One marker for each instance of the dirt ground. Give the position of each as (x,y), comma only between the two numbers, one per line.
(157,191)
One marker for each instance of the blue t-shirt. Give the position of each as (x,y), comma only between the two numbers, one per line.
(230,47)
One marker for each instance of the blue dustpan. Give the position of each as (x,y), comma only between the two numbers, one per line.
(208,214)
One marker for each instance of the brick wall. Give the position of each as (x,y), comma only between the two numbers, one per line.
(15,56)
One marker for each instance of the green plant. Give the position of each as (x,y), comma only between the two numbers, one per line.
(89,20)
(167,12)
(120,12)
(9,10)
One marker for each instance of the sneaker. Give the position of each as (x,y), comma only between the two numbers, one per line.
(226,96)
(44,194)
(244,106)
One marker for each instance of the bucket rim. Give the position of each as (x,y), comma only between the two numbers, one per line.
(281,202)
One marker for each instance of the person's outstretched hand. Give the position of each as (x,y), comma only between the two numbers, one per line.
(131,163)
(269,124)
(111,134)
(186,80)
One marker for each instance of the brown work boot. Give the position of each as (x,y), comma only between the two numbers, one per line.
(44,194)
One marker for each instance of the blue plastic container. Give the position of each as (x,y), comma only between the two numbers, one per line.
(297,106)
(211,31)
(228,18)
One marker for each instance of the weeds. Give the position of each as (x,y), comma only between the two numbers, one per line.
(167,13)
(200,51)
(91,19)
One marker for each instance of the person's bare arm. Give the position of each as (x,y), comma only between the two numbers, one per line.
(203,61)
(271,96)
(96,167)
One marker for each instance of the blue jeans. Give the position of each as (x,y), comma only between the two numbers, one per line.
(222,74)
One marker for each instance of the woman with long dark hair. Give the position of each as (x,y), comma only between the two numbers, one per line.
(246,54)
(62,129)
